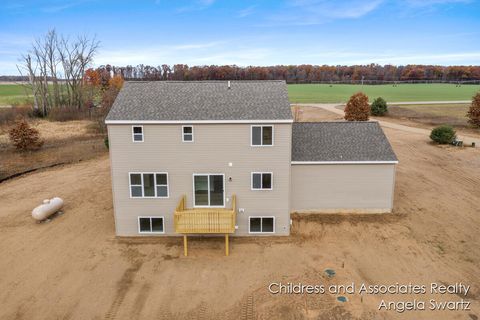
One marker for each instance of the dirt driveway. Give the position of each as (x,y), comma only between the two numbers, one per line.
(75,268)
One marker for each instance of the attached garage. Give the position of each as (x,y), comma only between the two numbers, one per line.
(342,167)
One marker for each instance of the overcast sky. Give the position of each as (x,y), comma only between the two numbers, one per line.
(201,32)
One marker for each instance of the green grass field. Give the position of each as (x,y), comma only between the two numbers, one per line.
(12,94)
(323,93)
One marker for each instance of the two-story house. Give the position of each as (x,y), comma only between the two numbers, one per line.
(225,157)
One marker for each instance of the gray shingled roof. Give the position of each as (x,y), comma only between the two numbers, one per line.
(340,141)
(202,100)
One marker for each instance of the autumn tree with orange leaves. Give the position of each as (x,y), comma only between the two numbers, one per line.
(92,77)
(101,88)
(108,96)
(24,137)
(474,111)
(91,88)
(357,108)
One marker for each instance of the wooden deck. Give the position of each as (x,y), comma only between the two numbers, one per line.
(204,220)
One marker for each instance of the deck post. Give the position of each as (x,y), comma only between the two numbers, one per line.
(185,250)
(226,244)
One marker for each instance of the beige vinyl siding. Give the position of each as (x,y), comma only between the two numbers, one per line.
(328,188)
(214,147)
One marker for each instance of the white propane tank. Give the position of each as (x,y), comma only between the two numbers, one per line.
(48,208)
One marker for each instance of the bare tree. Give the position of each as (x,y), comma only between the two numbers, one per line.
(38,51)
(75,58)
(28,68)
(51,58)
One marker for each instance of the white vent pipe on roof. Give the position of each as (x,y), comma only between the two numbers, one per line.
(228,84)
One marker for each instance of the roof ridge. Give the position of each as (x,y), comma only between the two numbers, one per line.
(201,100)
(337,121)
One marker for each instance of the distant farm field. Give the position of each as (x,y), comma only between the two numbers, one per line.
(13,94)
(324,93)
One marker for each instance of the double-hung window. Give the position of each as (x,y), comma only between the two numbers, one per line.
(261,225)
(187,134)
(262,136)
(262,181)
(150,225)
(149,185)
(137,133)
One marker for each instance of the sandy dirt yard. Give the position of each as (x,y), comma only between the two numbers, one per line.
(74,267)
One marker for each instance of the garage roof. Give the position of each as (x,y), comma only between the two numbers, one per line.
(340,141)
(168,101)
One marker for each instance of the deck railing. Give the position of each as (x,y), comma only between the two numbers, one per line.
(204,220)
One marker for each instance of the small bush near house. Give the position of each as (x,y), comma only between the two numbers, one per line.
(25,137)
(106,142)
(379,107)
(357,108)
(443,134)
(474,111)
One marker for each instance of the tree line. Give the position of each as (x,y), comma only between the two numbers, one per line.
(371,73)
(59,73)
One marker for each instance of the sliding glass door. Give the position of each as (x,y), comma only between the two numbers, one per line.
(209,190)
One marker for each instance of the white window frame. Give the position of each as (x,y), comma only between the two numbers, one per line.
(183,134)
(133,134)
(261,135)
(261,181)
(154,184)
(161,185)
(208,174)
(151,232)
(261,225)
